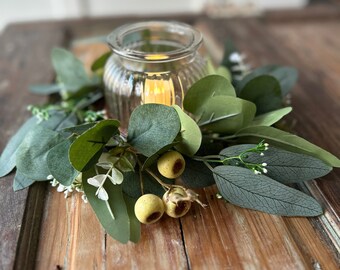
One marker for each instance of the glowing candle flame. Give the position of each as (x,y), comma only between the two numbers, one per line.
(159,91)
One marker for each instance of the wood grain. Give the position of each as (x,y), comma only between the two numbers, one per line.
(24,60)
(221,236)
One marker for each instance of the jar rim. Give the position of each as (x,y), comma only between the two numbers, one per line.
(116,41)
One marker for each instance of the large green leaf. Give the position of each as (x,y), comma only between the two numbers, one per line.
(21,181)
(265,92)
(101,61)
(242,187)
(59,164)
(224,114)
(152,127)
(79,129)
(112,214)
(191,136)
(31,157)
(283,166)
(45,89)
(86,149)
(196,174)
(286,141)
(270,118)
(287,76)
(205,88)
(59,120)
(135,228)
(70,70)
(8,156)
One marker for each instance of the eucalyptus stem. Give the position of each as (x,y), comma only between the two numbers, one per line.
(164,185)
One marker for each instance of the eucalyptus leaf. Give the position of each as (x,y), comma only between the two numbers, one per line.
(8,156)
(21,181)
(242,187)
(112,214)
(101,61)
(59,120)
(283,166)
(265,92)
(223,71)
(191,136)
(59,164)
(152,127)
(225,114)
(31,157)
(135,227)
(286,141)
(45,89)
(204,89)
(79,129)
(70,70)
(196,174)
(86,149)
(287,76)
(270,118)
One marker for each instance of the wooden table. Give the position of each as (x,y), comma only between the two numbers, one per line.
(40,229)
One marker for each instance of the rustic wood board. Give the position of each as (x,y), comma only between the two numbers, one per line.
(219,237)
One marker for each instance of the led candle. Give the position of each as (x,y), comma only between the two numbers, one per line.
(158,90)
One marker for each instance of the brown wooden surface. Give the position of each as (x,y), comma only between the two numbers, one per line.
(219,237)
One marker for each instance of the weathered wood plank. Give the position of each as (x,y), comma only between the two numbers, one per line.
(221,236)
(24,60)
(82,242)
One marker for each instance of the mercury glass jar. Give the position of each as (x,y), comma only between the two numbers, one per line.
(152,62)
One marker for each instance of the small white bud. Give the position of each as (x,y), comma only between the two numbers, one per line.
(261,154)
(264,164)
(264,170)
(257,172)
(266,144)
(49,177)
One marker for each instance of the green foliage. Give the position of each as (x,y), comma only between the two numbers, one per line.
(87,148)
(270,118)
(264,91)
(286,141)
(112,214)
(196,174)
(134,181)
(226,114)
(45,89)
(190,134)
(21,181)
(70,70)
(79,129)
(59,164)
(101,61)
(229,48)
(31,156)
(8,156)
(152,127)
(242,187)
(287,77)
(201,91)
(283,166)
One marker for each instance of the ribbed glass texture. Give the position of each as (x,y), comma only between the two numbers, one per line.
(152,62)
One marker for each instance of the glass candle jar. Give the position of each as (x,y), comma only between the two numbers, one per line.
(152,62)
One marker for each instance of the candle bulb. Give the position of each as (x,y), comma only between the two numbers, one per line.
(158,90)
(152,62)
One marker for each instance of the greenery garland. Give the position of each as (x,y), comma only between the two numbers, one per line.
(70,143)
